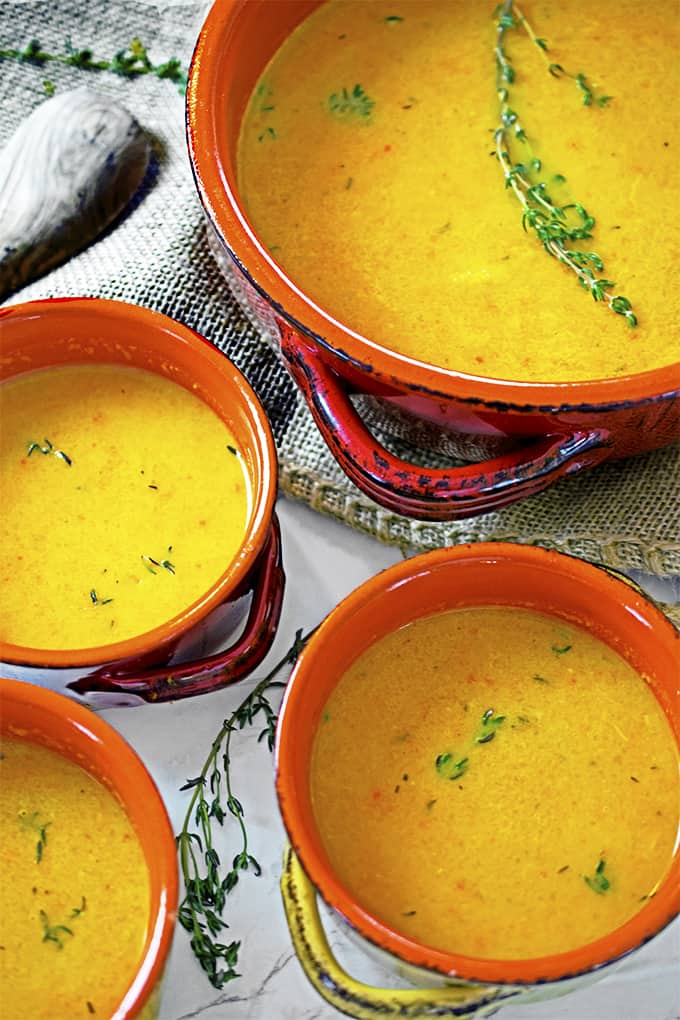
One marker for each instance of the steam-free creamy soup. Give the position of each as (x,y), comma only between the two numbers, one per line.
(75,893)
(495,782)
(124,500)
(367,165)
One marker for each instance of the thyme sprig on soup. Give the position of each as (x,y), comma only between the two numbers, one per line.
(495,782)
(393,178)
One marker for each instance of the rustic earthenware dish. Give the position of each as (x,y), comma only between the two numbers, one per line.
(527,434)
(33,713)
(480,574)
(169,661)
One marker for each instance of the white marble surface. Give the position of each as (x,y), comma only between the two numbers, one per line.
(324,562)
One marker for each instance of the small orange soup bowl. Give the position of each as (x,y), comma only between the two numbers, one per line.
(37,716)
(482,575)
(186,654)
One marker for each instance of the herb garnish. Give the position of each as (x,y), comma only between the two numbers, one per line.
(351,102)
(149,562)
(96,601)
(555,226)
(132,62)
(56,932)
(489,720)
(47,449)
(598,882)
(200,912)
(449,766)
(33,824)
(560,651)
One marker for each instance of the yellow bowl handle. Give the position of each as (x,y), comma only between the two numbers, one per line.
(457,999)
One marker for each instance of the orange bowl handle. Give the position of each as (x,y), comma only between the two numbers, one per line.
(170,683)
(433,494)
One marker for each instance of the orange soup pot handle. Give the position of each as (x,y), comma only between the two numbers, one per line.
(184,680)
(433,494)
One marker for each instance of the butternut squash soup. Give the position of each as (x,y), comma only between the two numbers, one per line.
(75,895)
(457,181)
(125,499)
(495,782)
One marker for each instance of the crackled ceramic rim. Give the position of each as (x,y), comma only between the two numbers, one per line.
(227,60)
(44,717)
(56,331)
(483,573)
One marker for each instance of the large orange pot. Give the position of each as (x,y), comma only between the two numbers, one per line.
(244,603)
(531,433)
(469,575)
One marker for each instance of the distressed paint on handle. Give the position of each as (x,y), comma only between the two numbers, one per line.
(430,493)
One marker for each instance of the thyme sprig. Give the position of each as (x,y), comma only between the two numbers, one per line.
(213,798)
(132,62)
(557,227)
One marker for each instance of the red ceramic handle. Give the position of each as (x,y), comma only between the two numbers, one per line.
(170,683)
(427,493)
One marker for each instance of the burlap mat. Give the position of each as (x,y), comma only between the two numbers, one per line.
(624,514)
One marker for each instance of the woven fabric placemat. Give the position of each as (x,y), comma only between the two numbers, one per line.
(624,514)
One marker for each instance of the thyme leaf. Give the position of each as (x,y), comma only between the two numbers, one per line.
(207,883)
(48,448)
(598,882)
(57,932)
(452,768)
(33,823)
(351,102)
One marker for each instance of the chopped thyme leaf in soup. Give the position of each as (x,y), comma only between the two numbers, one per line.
(111,540)
(505,777)
(61,908)
(435,243)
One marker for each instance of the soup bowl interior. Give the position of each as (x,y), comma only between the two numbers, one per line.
(237,41)
(43,717)
(484,574)
(68,331)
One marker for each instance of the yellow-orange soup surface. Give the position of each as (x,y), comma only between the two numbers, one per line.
(366,164)
(496,782)
(75,893)
(124,500)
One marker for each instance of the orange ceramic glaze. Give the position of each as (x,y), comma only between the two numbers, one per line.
(484,574)
(535,432)
(76,331)
(31,713)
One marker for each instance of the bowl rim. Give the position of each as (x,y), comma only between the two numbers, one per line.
(263,498)
(210,68)
(88,735)
(656,914)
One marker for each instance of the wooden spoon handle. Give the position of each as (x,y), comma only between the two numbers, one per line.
(65,174)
